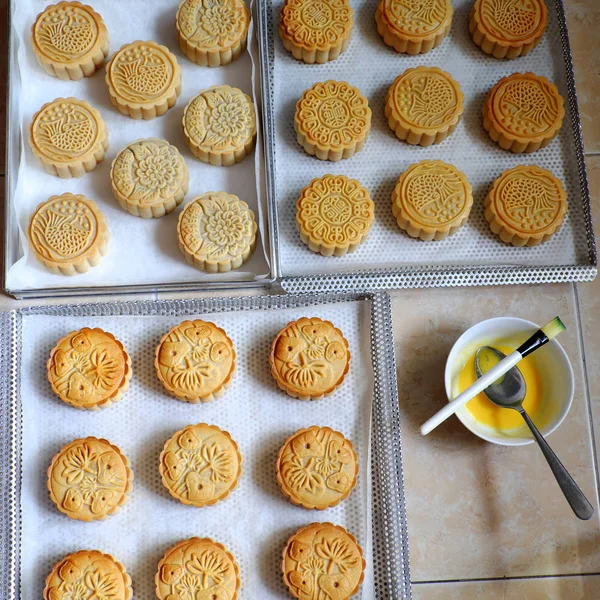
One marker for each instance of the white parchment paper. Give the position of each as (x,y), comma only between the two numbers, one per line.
(372,66)
(141,251)
(256,520)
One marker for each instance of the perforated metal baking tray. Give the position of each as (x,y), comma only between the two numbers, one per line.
(390,558)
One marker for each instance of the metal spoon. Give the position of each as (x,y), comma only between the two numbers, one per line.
(509,392)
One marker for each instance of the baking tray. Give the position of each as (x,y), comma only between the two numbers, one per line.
(28,87)
(389,258)
(389,576)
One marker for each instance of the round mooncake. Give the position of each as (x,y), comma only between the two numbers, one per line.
(200,465)
(323,561)
(317,467)
(526,205)
(89,479)
(309,358)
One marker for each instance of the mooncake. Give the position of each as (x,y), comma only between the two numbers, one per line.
(212,32)
(69,137)
(334,215)
(508,28)
(413,27)
(200,465)
(219,125)
(198,568)
(68,234)
(149,178)
(88,574)
(316,31)
(317,468)
(69,40)
(195,361)
(332,120)
(309,358)
(216,232)
(89,368)
(523,112)
(424,105)
(432,200)
(89,479)
(526,205)
(143,79)
(323,560)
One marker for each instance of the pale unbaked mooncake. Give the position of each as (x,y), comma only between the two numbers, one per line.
(413,27)
(508,29)
(523,112)
(89,479)
(212,33)
(200,465)
(526,205)
(309,358)
(69,136)
(149,178)
(334,215)
(201,565)
(88,574)
(219,125)
(143,79)
(195,361)
(68,234)
(323,560)
(317,467)
(217,232)
(424,105)
(315,31)
(69,40)
(89,369)
(432,200)
(332,120)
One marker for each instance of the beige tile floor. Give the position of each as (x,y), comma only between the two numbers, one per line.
(479,512)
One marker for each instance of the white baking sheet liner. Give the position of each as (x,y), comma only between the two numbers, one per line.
(256,520)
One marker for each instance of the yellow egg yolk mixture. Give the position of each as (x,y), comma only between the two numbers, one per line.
(496,417)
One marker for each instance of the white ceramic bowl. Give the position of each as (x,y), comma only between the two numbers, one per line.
(551,360)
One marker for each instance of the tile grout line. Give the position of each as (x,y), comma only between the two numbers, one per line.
(508,578)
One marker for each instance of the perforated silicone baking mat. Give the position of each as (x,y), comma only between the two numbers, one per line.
(474,250)
(135,243)
(255,521)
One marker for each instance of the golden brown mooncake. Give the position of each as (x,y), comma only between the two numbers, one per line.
(219,125)
(200,465)
(69,136)
(317,467)
(195,361)
(413,27)
(432,200)
(309,358)
(316,31)
(424,105)
(217,232)
(526,205)
(523,112)
(508,28)
(68,234)
(89,369)
(149,178)
(201,565)
(89,479)
(332,120)
(323,560)
(212,33)
(334,215)
(88,574)
(69,40)
(143,79)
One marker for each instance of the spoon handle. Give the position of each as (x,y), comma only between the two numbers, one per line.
(575,497)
